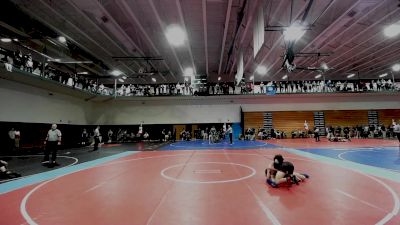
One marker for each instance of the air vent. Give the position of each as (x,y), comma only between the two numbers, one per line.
(351,13)
(104,19)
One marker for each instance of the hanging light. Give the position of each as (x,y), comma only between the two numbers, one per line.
(392,30)
(294,32)
(176,36)
(6,40)
(116,73)
(62,39)
(188,71)
(351,75)
(318,76)
(396,67)
(262,70)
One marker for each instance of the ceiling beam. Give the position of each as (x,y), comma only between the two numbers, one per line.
(162,26)
(127,9)
(57,29)
(327,29)
(79,10)
(227,18)
(359,34)
(386,50)
(182,20)
(250,13)
(204,6)
(381,65)
(276,44)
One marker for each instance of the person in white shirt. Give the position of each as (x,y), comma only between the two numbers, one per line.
(11,135)
(262,87)
(396,130)
(230,132)
(96,137)
(306,128)
(52,142)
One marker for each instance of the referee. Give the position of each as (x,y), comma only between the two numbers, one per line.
(396,130)
(52,142)
(230,132)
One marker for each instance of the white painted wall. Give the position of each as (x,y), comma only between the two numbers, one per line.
(22,103)
(124,113)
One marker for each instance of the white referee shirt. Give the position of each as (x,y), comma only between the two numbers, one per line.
(54,135)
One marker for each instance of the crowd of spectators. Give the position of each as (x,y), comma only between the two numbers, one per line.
(331,132)
(25,62)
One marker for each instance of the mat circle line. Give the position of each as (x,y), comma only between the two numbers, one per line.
(253,172)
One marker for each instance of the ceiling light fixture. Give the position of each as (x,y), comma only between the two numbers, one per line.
(153,79)
(121,80)
(176,36)
(318,76)
(383,75)
(350,75)
(124,77)
(188,71)
(396,67)
(252,78)
(62,39)
(294,32)
(262,70)
(324,66)
(82,73)
(219,78)
(116,72)
(284,77)
(392,30)
(6,40)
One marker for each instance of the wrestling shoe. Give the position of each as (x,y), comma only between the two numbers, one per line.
(272,183)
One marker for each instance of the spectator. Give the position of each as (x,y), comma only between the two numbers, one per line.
(96,136)
(84,137)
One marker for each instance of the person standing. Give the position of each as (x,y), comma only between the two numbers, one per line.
(316,134)
(17,139)
(11,144)
(85,137)
(52,142)
(109,135)
(396,130)
(96,137)
(230,132)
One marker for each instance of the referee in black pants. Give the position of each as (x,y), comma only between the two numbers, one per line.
(52,142)
(96,137)
(230,132)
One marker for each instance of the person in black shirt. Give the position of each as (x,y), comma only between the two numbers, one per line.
(280,171)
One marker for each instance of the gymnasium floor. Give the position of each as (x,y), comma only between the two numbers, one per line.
(355,182)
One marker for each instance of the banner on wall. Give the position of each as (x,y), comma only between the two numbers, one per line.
(258,31)
(240,69)
(270,90)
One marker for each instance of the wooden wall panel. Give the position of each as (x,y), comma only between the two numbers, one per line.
(386,115)
(289,121)
(253,120)
(346,118)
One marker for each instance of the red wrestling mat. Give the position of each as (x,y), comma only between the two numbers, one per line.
(204,187)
